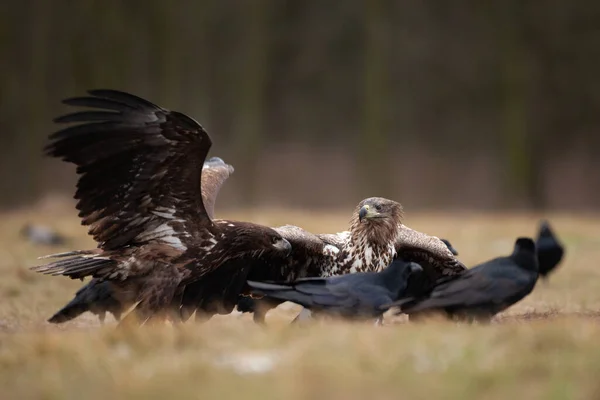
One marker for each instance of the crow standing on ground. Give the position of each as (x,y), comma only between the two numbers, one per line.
(450,247)
(358,296)
(417,284)
(482,291)
(549,249)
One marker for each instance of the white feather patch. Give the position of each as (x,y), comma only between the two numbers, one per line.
(165,233)
(330,249)
(164,212)
(174,241)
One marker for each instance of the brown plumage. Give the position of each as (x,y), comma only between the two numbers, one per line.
(139,190)
(98,297)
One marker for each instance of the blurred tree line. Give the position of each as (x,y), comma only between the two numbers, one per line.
(463,104)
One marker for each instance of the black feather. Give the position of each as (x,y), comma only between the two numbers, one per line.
(96,102)
(482,291)
(96,297)
(357,295)
(124,98)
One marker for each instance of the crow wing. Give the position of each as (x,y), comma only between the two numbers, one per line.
(339,296)
(491,284)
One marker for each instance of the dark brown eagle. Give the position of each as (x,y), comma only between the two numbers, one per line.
(98,297)
(139,190)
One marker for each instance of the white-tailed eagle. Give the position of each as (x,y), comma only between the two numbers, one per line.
(139,190)
(375,238)
(98,297)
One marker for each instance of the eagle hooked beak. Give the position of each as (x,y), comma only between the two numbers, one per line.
(366,212)
(283,245)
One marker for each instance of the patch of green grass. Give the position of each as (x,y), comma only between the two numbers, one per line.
(546,347)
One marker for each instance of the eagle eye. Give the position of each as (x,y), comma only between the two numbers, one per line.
(378,207)
(274,239)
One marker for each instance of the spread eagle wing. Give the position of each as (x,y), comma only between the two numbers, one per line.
(335,239)
(214,173)
(430,252)
(139,187)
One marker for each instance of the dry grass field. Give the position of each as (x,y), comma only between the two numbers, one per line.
(546,347)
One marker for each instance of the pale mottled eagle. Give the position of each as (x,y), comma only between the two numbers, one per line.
(139,190)
(375,238)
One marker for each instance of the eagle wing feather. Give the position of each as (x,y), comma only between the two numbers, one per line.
(429,251)
(140,169)
(214,174)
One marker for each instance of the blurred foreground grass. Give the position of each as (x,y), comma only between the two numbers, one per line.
(546,347)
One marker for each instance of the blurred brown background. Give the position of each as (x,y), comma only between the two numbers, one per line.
(440,105)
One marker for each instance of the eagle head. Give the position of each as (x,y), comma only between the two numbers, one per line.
(256,239)
(377,218)
(376,209)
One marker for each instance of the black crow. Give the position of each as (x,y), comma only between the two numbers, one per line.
(482,291)
(417,284)
(357,296)
(549,249)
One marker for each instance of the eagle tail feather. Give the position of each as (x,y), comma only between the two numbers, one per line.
(68,254)
(75,267)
